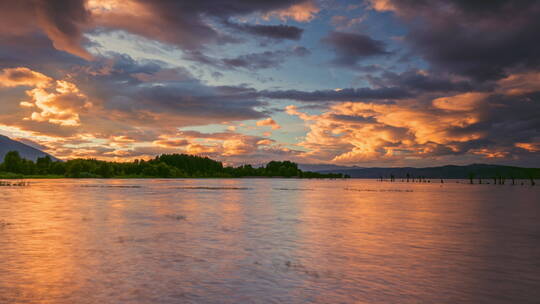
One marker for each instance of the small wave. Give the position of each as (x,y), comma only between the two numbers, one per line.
(110,186)
(212,188)
(378,190)
(176,217)
(293,189)
(4,224)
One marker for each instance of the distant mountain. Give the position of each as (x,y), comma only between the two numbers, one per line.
(478,170)
(30,153)
(324,167)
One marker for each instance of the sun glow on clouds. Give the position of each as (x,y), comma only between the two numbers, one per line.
(58,105)
(56,102)
(361,132)
(382,5)
(13,77)
(116,79)
(302,12)
(269,122)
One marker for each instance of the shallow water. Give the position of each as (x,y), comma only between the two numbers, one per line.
(268,241)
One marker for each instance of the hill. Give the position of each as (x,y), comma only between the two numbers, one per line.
(25,151)
(478,170)
(325,167)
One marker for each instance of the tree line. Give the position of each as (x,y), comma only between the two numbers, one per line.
(163,166)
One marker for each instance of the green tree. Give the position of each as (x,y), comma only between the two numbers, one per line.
(43,164)
(13,162)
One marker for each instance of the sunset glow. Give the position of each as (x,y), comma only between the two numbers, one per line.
(366,83)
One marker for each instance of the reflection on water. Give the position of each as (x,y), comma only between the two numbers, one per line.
(268,241)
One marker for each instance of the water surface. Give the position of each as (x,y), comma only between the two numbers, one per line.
(268,241)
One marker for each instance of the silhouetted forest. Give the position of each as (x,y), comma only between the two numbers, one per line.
(164,166)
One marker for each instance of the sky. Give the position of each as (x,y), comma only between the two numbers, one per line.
(366,83)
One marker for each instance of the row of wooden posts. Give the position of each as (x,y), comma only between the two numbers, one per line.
(14,184)
(496,180)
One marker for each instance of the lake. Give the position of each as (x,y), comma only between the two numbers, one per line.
(268,241)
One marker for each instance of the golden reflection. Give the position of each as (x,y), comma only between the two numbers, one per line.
(44,236)
(324,241)
(391,229)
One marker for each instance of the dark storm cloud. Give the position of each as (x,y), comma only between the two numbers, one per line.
(264,60)
(183,23)
(513,118)
(423,81)
(350,94)
(252,61)
(485,40)
(505,122)
(131,87)
(36,51)
(189,24)
(62,21)
(351,48)
(277,32)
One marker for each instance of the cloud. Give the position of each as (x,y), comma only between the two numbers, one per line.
(22,76)
(471,38)
(264,60)
(463,102)
(171,143)
(218,145)
(422,81)
(469,91)
(57,102)
(381,5)
(190,25)
(186,24)
(474,126)
(520,83)
(351,47)
(301,12)
(343,23)
(36,52)
(277,32)
(62,21)
(531,147)
(118,96)
(349,94)
(251,61)
(269,122)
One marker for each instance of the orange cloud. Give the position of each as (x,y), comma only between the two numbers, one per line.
(57,104)
(54,101)
(357,132)
(302,12)
(64,28)
(265,142)
(22,76)
(268,122)
(531,147)
(382,5)
(199,149)
(237,146)
(488,153)
(517,84)
(462,102)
